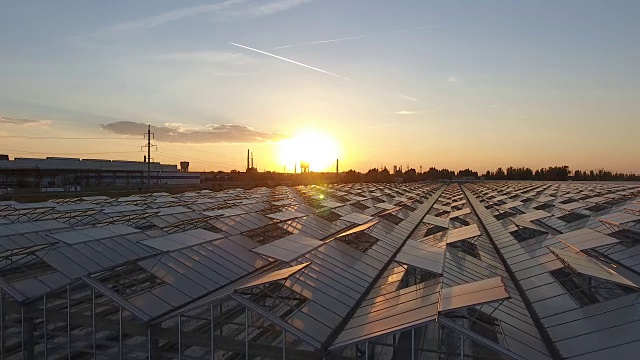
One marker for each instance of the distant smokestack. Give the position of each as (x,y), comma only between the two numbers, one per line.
(247,160)
(252,160)
(337,167)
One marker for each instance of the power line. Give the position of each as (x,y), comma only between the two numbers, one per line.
(22,132)
(208,161)
(107,138)
(61,138)
(72,153)
(102,138)
(205,151)
(233,160)
(148,135)
(171,155)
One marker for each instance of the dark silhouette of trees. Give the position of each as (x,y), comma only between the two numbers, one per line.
(352,176)
(520,173)
(378,176)
(436,174)
(467,173)
(410,175)
(551,173)
(603,175)
(557,173)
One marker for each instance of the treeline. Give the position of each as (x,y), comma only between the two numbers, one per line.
(557,173)
(552,173)
(603,175)
(411,175)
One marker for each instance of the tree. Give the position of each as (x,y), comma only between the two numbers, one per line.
(352,176)
(558,173)
(410,175)
(467,173)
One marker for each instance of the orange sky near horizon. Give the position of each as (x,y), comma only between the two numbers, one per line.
(359,153)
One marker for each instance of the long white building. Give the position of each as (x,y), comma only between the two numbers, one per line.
(53,171)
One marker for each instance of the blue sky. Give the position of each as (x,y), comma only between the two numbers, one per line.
(459,84)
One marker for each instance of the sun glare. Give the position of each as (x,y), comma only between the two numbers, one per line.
(315,148)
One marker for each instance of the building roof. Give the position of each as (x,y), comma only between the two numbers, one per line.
(367,262)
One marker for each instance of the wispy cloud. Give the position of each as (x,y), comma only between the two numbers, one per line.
(170,16)
(88,40)
(358,36)
(452,79)
(404,112)
(289,60)
(228,7)
(409,98)
(274,7)
(494,106)
(220,11)
(180,133)
(7,120)
(180,127)
(256,8)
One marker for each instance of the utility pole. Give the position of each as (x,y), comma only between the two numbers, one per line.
(149,135)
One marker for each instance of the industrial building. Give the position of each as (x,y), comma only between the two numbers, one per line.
(60,172)
(485,270)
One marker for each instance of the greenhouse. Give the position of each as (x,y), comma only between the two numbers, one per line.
(480,270)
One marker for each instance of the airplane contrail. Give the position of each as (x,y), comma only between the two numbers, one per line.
(409,98)
(357,37)
(322,41)
(291,61)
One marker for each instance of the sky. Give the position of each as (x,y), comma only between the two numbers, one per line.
(452,84)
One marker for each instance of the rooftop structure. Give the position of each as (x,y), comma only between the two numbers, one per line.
(515,270)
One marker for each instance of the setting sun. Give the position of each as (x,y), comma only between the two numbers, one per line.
(315,148)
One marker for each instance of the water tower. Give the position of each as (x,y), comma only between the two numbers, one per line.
(184,166)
